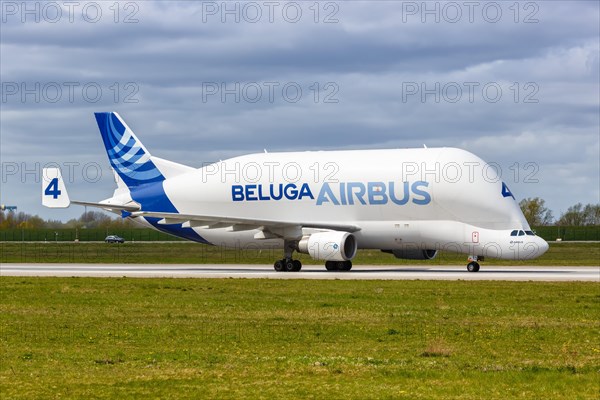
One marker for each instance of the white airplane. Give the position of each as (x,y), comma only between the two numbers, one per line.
(409,202)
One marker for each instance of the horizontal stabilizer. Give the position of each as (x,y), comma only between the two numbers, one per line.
(54,194)
(108,206)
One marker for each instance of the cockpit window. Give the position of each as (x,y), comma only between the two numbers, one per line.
(518,232)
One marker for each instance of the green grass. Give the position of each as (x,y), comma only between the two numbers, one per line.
(230,338)
(571,253)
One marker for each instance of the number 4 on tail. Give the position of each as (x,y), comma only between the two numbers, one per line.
(54,192)
(52,189)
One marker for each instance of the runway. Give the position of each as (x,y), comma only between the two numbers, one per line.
(360,272)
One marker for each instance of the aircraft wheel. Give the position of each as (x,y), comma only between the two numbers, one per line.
(297,265)
(278,265)
(289,265)
(338,265)
(473,266)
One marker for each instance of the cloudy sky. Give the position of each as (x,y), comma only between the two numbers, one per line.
(515,83)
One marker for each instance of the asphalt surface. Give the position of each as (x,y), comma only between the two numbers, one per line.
(361,272)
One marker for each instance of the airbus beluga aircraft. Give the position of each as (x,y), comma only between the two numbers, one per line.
(411,203)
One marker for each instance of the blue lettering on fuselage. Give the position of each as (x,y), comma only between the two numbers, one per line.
(291,191)
(343,193)
(375,193)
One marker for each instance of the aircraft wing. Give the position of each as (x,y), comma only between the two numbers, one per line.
(269,228)
(108,206)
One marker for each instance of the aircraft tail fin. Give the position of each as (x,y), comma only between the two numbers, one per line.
(54,191)
(129,158)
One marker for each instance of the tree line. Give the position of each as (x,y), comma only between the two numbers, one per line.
(89,219)
(537,214)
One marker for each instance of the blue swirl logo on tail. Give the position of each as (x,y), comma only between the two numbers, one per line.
(126,153)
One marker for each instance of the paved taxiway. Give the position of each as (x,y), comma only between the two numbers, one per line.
(506,273)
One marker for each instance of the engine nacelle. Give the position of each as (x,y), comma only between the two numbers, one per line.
(329,246)
(413,254)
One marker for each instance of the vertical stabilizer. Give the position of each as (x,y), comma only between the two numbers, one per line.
(127,155)
(129,158)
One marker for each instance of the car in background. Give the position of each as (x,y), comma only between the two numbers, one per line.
(114,239)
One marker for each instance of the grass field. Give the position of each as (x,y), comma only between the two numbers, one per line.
(194,338)
(562,254)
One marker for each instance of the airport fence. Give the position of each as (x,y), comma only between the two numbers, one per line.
(570,233)
(83,235)
(549,233)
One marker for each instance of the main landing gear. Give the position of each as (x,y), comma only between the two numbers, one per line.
(473,265)
(338,265)
(288,264)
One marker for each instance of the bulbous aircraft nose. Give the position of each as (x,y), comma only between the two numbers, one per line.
(543,246)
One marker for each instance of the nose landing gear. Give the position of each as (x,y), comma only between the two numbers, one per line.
(473,265)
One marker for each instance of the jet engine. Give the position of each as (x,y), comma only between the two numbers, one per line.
(329,246)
